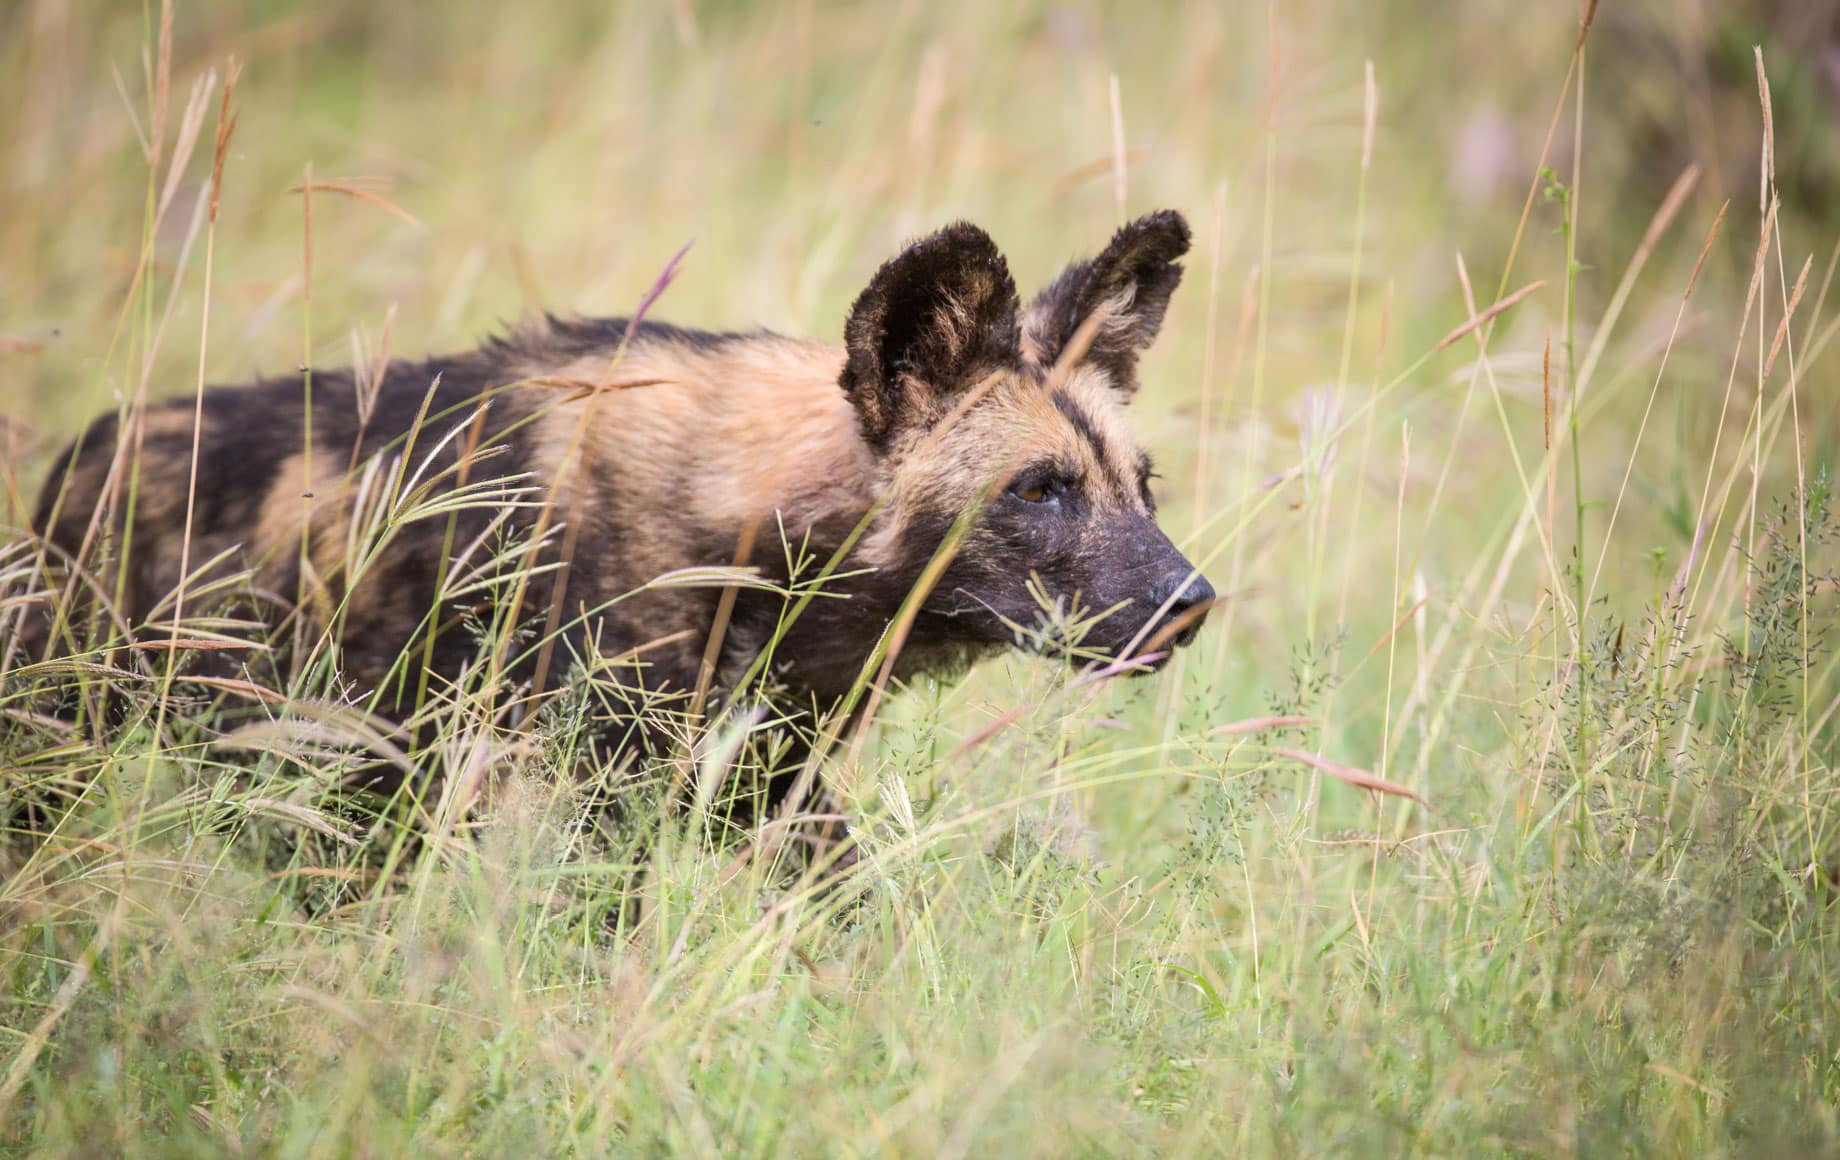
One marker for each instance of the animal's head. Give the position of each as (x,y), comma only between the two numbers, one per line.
(1021,415)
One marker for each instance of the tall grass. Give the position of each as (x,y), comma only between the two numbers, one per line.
(1586,621)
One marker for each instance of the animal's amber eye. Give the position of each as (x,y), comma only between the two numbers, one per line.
(1033,492)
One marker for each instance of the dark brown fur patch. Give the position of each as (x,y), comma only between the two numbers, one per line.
(932,318)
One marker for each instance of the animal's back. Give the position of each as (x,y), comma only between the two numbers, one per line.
(658,452)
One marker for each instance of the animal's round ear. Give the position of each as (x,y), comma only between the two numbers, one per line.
(935,318)
(1130,281)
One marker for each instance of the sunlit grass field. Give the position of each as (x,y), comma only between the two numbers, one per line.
(1497,402)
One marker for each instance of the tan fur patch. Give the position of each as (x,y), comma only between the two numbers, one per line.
(173,423)
(1104,406)
(311,495)
(737,432)
(1017,425)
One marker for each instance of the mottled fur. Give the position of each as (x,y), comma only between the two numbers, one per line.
(946,392)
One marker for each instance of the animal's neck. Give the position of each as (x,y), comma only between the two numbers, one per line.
(823,644)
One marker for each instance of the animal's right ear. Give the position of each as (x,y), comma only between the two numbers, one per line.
(934,320)
(1127,286)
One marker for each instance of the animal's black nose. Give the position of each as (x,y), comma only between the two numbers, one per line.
(1184,593)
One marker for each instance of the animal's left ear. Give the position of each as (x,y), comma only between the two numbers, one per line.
(1130,282)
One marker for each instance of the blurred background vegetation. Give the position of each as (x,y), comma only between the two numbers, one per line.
(1579,951)
(553,157)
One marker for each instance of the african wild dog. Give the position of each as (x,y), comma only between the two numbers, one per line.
(637,452)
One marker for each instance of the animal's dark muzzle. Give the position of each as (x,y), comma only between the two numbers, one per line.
(1184,598)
